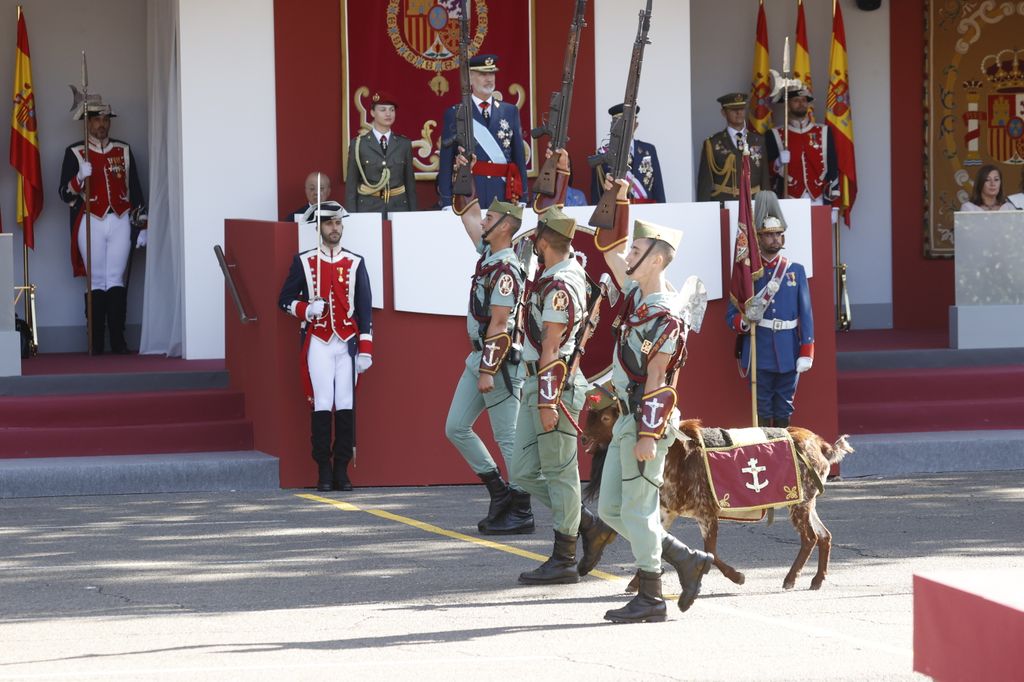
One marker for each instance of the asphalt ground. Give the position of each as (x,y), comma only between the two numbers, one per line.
(396,583)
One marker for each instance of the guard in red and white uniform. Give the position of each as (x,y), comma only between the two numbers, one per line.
(812,169)
(118,210)
(337,339)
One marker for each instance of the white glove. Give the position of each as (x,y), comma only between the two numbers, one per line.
(363,362)
(314,310)
(803,364)
(142,240)
(784,156)
(84,170)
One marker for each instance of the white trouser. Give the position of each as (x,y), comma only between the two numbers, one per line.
(111,247)
(330,372)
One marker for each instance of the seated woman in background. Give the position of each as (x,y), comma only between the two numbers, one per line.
(988,192)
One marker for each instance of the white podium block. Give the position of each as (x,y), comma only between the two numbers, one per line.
(10,340)
(989,271)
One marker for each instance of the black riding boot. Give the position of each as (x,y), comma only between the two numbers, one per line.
(517,519)
(781,422)
(596,535)
(765,422)
(560,568)
(99,318)
(117,311)
(501,497)
(343,432)
(320,438)
(648,606)
(691,565)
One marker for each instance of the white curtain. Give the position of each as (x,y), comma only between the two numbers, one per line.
(162,299)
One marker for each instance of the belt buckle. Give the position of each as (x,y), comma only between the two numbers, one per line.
(777,325)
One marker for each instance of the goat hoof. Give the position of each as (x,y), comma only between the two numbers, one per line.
(740,579)
(788,584)
(816,583)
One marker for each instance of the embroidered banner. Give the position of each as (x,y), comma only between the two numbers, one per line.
(975,93)
(410,49)
(754,475)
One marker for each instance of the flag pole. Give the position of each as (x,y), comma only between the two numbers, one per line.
(88,214)
(753,373)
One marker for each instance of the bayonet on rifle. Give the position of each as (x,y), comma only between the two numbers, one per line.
(620,139)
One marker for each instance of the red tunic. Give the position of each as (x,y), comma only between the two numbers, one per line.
(806,168)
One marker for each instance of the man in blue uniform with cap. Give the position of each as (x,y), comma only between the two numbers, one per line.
(500,168)
(781,309)
(644,174)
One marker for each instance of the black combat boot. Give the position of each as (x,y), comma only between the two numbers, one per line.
(343,431)
(320,439)
(596,535)
(765,422)
(648,606)
(99,319)
(117,312)
(501,497)
(691,565)
(517,519)
(560,569)
(781,422)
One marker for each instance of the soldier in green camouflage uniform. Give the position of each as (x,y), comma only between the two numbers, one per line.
(545,462)
(493,376)
(650,348)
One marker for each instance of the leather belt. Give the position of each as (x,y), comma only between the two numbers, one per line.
(477,345)
(777,325)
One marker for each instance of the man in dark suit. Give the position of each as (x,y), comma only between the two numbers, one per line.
(380,173)
(500,168)
(310,189)
(721,157)
(644,175)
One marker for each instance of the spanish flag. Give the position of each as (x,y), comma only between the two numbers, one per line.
(839,116)
(759,110)
(25,139)
(802,58)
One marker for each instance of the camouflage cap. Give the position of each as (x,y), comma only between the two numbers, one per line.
(768,213)
(555,219)
(643,229)
(600,396)
(506,208)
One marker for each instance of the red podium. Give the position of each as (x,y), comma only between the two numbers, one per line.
(402,401)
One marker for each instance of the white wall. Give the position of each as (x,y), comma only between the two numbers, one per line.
(229,148)
(113,33)
(664,83)
(722,49)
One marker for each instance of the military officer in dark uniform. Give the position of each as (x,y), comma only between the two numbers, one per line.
(718,175)
(644,174)
(781,309)
(500,168)
(380,172)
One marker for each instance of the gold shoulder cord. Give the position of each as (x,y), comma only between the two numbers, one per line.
(384,184)
(727,170)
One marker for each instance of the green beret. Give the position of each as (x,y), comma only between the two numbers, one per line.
(556,220)
(505,208)
(646,230)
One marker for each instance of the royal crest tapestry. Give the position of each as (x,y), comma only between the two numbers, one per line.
(974,99)
(410,49)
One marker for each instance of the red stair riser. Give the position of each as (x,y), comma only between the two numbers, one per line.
(149,439)
(121,409)
(912,385)
(964,415)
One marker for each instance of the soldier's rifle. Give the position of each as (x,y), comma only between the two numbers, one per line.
(462,175)
(556,121)
(620,138)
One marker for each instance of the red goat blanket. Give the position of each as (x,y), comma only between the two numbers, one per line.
(755,471)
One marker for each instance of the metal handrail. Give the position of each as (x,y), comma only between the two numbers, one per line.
(232,289)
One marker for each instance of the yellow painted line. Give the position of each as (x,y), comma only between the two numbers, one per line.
(437,530)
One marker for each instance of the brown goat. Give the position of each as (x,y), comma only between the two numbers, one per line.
(686,492)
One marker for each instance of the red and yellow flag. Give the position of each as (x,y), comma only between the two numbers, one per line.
(746,256)
(25,139)
(802,57)
(759,111)
(839,116)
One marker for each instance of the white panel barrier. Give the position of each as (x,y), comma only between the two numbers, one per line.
(362,235)
(798,231)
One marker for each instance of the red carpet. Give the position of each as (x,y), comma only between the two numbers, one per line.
(82,363)
(951,399)
(124,423)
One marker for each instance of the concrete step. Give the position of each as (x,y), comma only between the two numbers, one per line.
(898,454)
(126,382)
(131,474)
